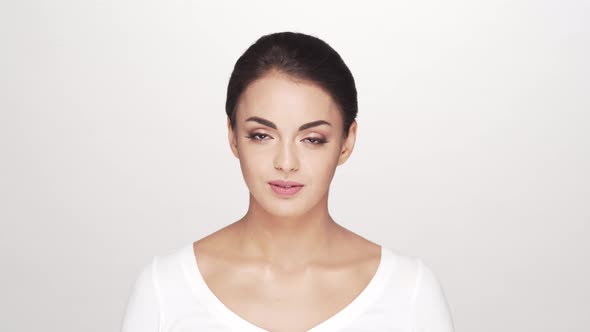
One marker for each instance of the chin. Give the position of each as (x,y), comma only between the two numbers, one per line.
(285,209)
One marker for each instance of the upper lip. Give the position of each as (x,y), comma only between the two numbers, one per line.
(282,183)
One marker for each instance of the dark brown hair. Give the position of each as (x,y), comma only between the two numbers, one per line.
(301,56)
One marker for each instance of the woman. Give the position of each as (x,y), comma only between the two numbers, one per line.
(286,265)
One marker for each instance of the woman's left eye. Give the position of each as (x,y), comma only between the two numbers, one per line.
(314,140)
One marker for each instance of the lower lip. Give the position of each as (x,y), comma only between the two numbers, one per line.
(286,191)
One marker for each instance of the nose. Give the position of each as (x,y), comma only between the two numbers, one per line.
(286,158)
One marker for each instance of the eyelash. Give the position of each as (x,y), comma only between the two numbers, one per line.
(318,141)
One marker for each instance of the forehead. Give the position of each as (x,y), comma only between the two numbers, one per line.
(287,101)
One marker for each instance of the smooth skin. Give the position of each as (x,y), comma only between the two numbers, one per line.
(286,265)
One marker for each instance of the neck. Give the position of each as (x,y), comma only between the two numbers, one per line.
(286,240)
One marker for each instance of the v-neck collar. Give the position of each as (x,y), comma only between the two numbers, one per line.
(342,318)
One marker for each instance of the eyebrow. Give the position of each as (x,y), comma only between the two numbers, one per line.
(271,124)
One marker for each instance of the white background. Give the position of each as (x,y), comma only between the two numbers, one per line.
(473,149)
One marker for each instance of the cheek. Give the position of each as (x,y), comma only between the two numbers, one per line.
(254,160)
(321,165)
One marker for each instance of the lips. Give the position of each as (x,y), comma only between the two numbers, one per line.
(285,184)
(285,188)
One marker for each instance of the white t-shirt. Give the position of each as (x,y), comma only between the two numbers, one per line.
(170,295)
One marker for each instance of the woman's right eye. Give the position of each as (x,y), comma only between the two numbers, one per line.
(257,136)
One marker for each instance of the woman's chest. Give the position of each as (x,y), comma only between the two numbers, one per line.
(288,304)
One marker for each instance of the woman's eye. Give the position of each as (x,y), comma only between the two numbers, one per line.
(257,136)
(314,140)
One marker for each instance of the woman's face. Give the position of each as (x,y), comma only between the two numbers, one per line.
(288,130)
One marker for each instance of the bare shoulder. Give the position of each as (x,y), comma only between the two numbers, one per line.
(214,252)
(217,239)
(355,250)
(351,242)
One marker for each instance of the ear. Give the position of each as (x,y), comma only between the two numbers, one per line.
(231,135)
(348,144)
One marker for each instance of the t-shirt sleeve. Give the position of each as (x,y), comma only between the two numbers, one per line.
(143,308)
(431,310)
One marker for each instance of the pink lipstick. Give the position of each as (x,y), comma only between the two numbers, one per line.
(285,188)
